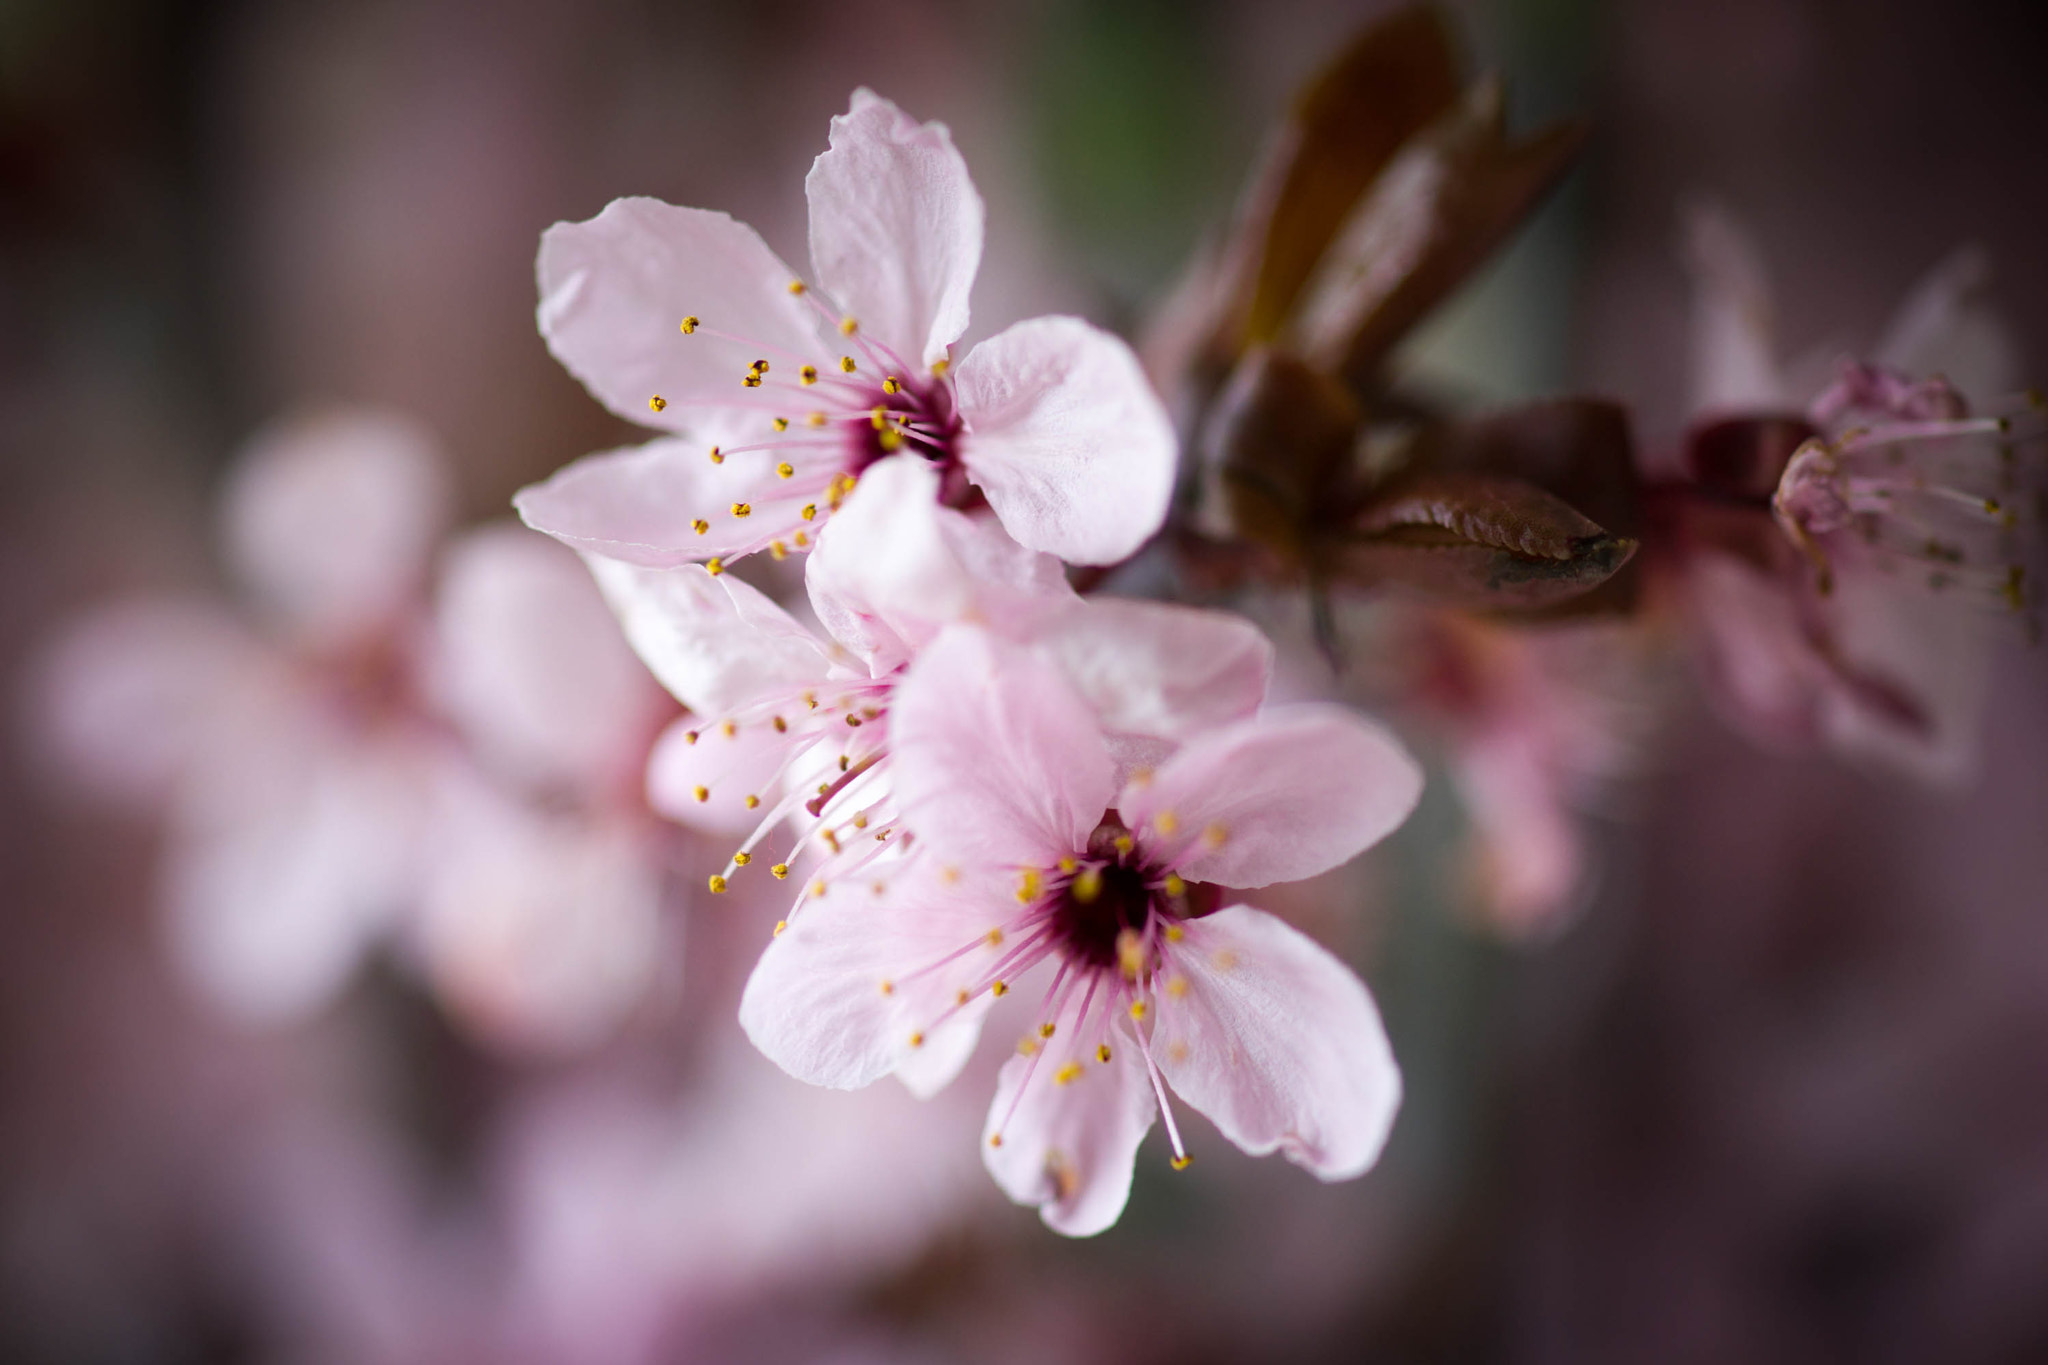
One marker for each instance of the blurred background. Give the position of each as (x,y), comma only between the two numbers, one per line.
(1776,1094)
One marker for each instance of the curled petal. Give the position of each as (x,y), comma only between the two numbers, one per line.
(1278,1043)
(1066,439)
(1068,1141)
(1290,793)
(896,227)
(715,642)
(615,290)
(996,762)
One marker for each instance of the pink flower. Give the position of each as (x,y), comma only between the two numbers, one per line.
(790,722)
(1032,852)
(1861,616)
(778,395)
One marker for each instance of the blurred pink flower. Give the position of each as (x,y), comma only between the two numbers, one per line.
(778,401)
(1865,617)
(1028,855)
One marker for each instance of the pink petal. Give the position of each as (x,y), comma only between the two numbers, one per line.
(1068,1144)
(1066,439)
(896,227)
(1293,792)
(1734,361)
(995,761)
(614,291)
(1944,326)
(705,782)
(640,504)
(129,698)
(842,991)
(715,642)
(893,567)
(533,667)
(1152,669)
(331,520)
(1278,1043)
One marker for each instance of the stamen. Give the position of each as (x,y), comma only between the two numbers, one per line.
(689,324)
(657,403)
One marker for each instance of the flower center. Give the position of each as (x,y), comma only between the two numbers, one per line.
(1115,898)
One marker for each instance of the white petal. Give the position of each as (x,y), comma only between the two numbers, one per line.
(614,291)
(1734,361)
(1278,1043)
(1067,1146)
(715,642)
(533,667)
(896,227)
(1293,792)
(331,520)
(1157,670)
(704,782)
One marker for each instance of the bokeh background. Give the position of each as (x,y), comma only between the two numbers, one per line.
(1777,1095)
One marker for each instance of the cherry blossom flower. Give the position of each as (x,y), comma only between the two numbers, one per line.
(789,722)
(778,395)
(1033,852)
(1850,557)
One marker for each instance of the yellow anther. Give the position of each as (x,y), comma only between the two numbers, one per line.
(999,989)
(846,363)
(785,470)
(759,367)
(815,419)
(689,324)
(753,801)
(811,700)
(888,986)
(1087,886)
(781,423)
(890,441)
(780,925)
(810,511)
(848,326)
(741,509)
(1214,835)
(1027,1046)
(994,938)
(852,720)
(702,793)
(995,1139)
(717,885)
(808,374)
(717,455)
(961,997)
(1047,1030)
(845,762)
(824,789)
(1027,885)
(1177,987)
(1067,864)
(1130,953)
(1102,1053)
(1067,1074)
(1137,1009)
(818,889)
(831,839)
(689,736)
(752,381)
(892,385)
(1124,844)
(1181,1163)
(657,403)
(1174,933)
(878,417)
(781,725)
(728,728)
(800,540)
(1174,886)
(742,858)
(940,366)
(796,286)
(780,870)
(1166,822)
(714,567)
(860,821)
(700,526)
(917,1040)
(777,550)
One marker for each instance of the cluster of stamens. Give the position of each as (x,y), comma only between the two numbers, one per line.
(825,426)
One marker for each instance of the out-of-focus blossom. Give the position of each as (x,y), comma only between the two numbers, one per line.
(1029,856)
(780,394)
(1843,561)
(346,762)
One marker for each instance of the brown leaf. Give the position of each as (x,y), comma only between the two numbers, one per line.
(1475,541)
(1277,447)
(1435,213)
(1577,449)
